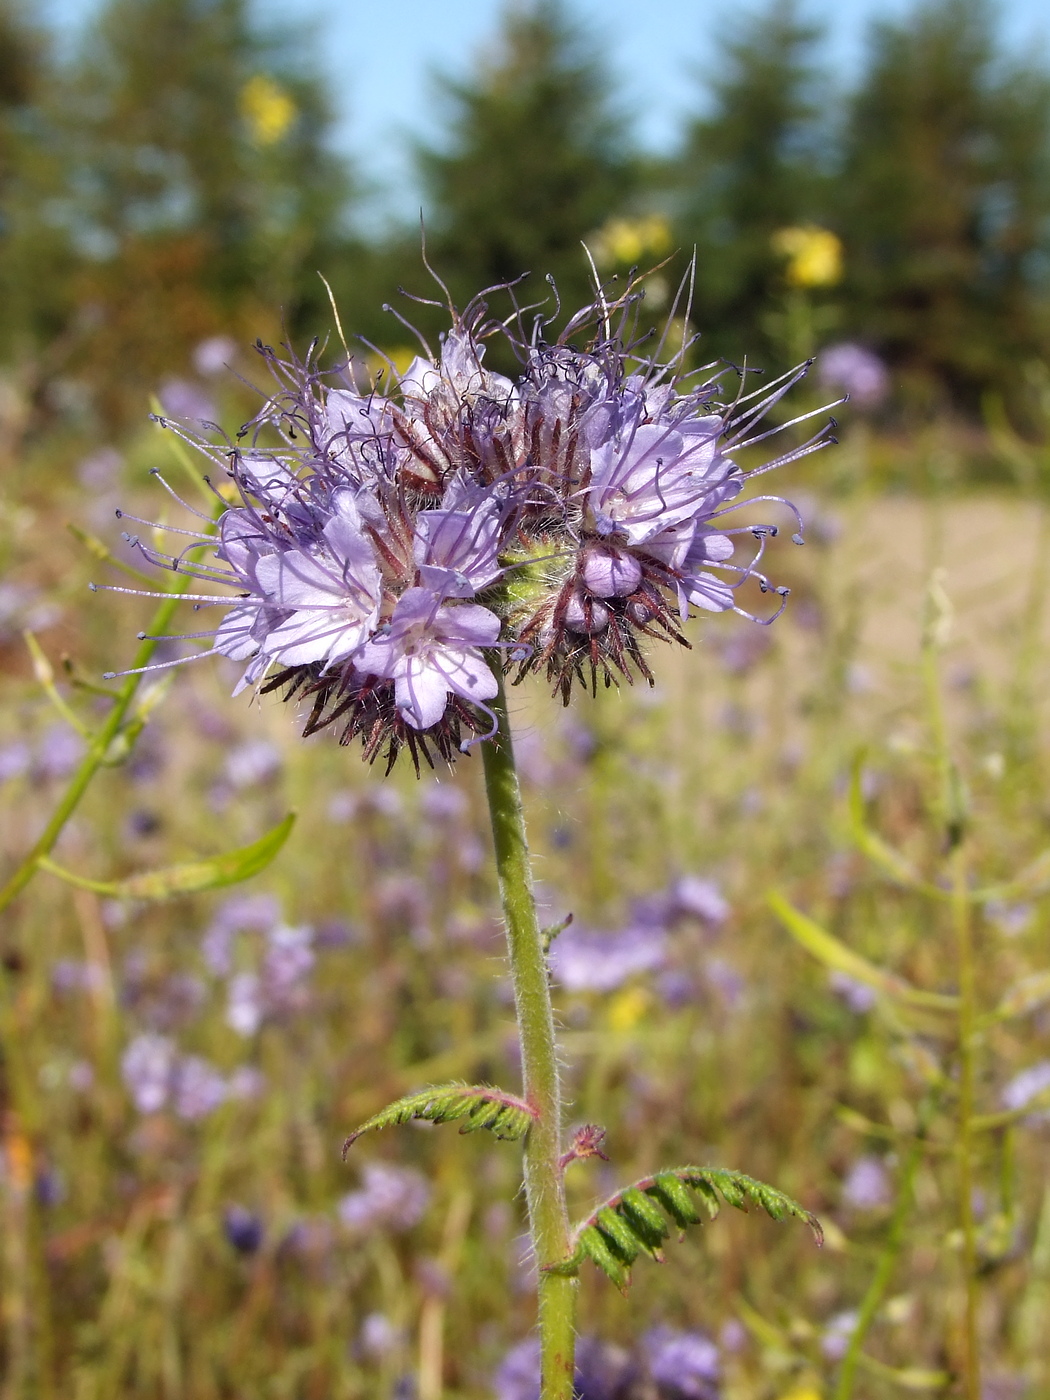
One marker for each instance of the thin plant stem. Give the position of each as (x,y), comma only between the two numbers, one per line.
(887,1264)
(97,752)
(963,928)
(544,1188)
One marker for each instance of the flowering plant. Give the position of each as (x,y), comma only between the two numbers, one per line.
(396,550)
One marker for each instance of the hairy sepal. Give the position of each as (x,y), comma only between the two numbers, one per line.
(478,1105)
(632,1221)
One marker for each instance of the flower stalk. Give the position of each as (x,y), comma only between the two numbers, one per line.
(544,1188)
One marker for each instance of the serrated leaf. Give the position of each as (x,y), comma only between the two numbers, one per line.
(630,1223)
(215,873)
(676,1199)
(480,1105)
(833,953)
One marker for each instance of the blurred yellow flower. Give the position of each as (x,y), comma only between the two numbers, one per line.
(627,1008)
(814,255)
(805,1391)
(267,108)
(626,241)
(400,356)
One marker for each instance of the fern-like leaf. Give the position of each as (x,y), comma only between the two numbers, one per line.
(633,1221)
(479,1105)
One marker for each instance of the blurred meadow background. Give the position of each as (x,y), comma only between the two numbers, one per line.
(768,968)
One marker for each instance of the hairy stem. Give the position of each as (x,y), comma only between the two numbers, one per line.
(544,1191)
(98,748)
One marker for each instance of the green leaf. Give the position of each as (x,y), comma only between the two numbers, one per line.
(191,878)
(630,1223)
(834,954)
(479,1105)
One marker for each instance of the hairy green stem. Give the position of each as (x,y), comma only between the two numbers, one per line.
(98,748)
(544,1190)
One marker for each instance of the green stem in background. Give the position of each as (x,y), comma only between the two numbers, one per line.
(97,752)
(544,1190)
(887,1261)
(963,927)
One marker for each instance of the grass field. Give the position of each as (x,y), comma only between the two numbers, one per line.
(179,1076)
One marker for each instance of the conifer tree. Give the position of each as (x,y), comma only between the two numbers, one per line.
(535,158)
(750,166)
(204,192)
(945,197)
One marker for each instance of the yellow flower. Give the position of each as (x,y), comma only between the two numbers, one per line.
(267,108)
(627,1008)
(626,241)
(805,1391)
(814,255)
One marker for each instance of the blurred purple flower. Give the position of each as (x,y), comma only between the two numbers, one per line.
(684,1365)
(80,1077)
(852,369)
(198,1088)
(289,960)
(247,1082)
(147,1068)
(244,1003)
(1009,919)
(518,1376)
(181,398)
(15,759)
(75,975)
(58,752)
(1025,1086)
(838,1330)
(392,1198)
(867,1184)
(241,914)
(585,960)
(699,898)
(252,764)
(212,356)
(858,996)
(443,802)
(101,470)
(243,1228)
(379,1336)
(21,608)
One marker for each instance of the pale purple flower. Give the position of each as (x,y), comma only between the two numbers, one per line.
(245,1006)
(854,370)
(1029,1084)
(379,1336)
(858,996)
(100,470)
(246,1083)
(518,1376)
(867,1184)
(431,651)
(198,1088)
(603,1371)
(58,752)
(585,960)
(213,355)
(699,898)
(289,959)
(683,1365)
(147,1068)
(184,399)
(457,550)
(252,764)
(15,759)
(392,1198)
(838,1331)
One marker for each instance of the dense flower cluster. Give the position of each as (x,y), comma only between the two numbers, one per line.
(393,552)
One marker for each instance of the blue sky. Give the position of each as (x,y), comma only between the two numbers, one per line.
(379,58)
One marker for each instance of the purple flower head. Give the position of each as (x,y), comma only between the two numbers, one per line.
(837,1334)
(603,1371)
(184,399)
(683,1365)
(389,553)
(851,369)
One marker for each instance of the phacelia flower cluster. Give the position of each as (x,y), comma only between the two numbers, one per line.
(392,550)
